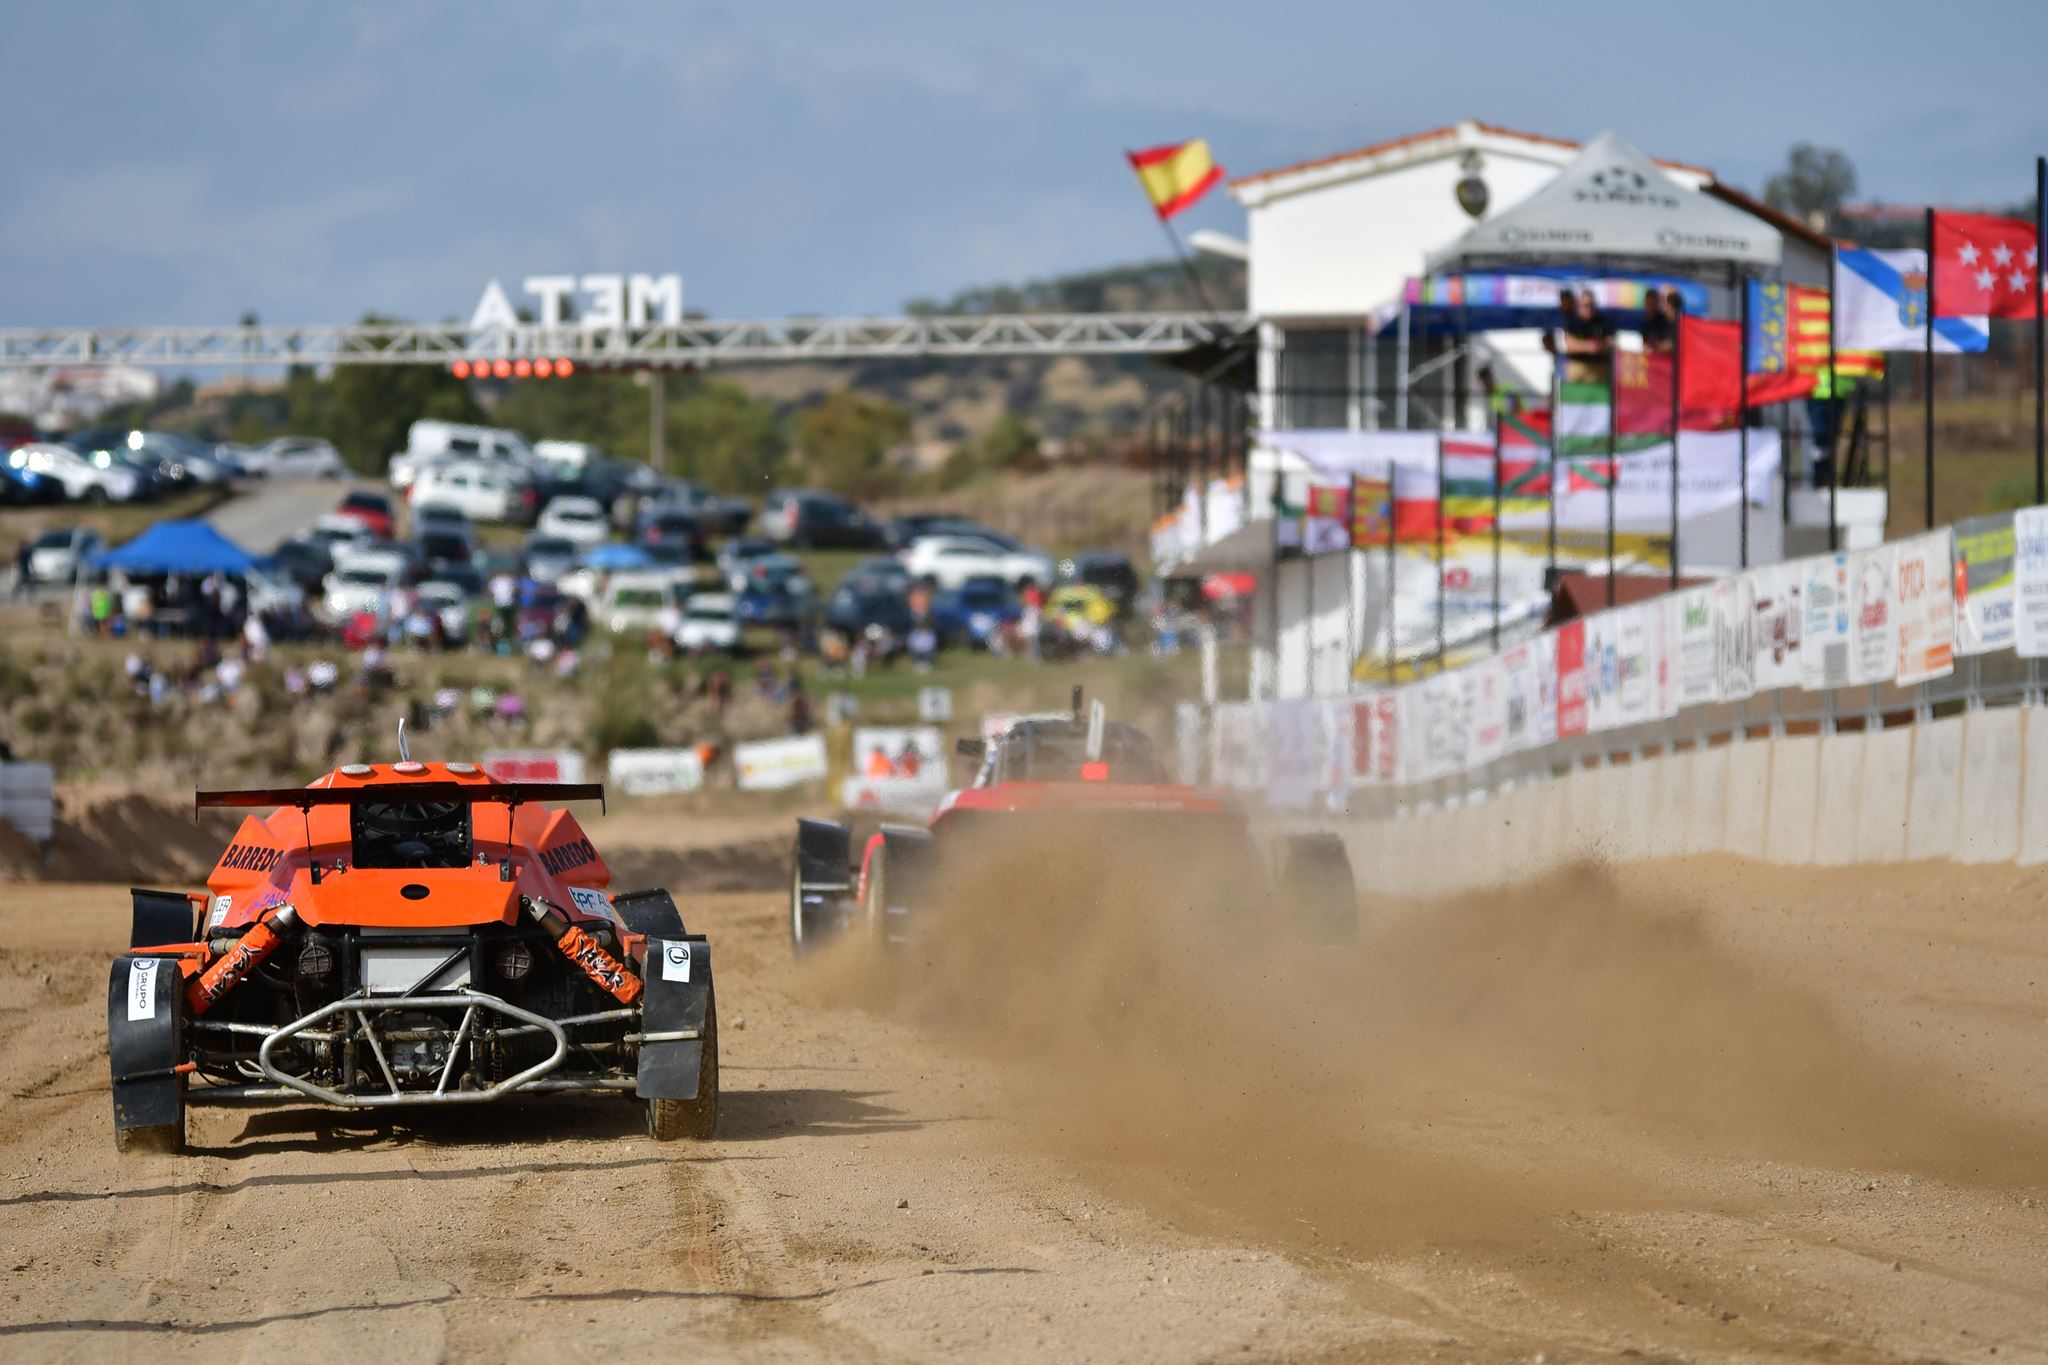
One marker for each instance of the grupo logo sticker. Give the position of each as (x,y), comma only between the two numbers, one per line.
(675,962)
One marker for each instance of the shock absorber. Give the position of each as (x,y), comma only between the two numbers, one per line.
(586,952)
(229,969)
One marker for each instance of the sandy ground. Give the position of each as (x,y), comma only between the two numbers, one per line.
(1693,1110)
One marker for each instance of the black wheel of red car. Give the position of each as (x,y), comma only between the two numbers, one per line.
(697,1119)
(651,913)
(1316,887)
(157,1137)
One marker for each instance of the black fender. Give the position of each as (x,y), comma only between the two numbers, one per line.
(652,913)
(1313,882)
(821,900)
(901,886)
(676,999)
(146,1045)
(161,917)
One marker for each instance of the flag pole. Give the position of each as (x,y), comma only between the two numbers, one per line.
(1393,564)
(2040,384)
(1187,264)
(1928,395)
(1677,423)
(1550,528)
(1834,412)
(1742,418)
(1497,481)
(1613,473)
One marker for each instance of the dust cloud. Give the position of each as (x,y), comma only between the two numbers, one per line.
(1462,1066)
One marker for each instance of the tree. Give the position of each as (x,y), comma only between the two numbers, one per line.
(365,409)
(1815,181)
(726,437)
(845,441)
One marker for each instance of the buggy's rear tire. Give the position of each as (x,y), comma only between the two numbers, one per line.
(697,1119)
(1316,887)
(651,913)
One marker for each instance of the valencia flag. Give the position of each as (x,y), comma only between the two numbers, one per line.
(1176,175)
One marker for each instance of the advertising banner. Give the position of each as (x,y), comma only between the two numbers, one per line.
(1571,679)
(1779,621)
(1293,754)
(1487,704)
(1692,612)
(1924,605)
(655,772)
(1735,637)
(1985,618)
(1636,659)
(1545,729)
(1873,647)
(1375,755)
(1520,698)
(1444,730)
(1824,638)
(1603,672)
(1333,763)
(771,764)
(1238,762)
(2030,582)
(900,769)
(533,765)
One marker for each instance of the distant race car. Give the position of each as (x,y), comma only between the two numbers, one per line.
(1062,792)
(409,935)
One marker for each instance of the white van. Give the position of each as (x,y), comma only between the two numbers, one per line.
(567,454)
(430,440)
(479,490)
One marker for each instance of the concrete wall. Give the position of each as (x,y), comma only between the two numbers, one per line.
(1972,787)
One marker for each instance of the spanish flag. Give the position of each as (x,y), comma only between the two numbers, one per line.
(1176,175)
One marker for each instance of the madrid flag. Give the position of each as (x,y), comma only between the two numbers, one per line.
(1176,175)
(1984,266)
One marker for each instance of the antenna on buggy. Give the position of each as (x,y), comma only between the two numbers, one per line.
(404,749)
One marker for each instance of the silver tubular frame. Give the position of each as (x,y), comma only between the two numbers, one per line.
(363,1024)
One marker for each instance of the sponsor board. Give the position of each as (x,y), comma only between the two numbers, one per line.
(1924,606)
(2030,582)
(772,764)
(1825,636)
(1986,601)
(1873,644)
(655,772)
(533,765)
(1780,619)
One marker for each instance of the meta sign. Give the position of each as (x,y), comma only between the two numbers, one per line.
(593,302)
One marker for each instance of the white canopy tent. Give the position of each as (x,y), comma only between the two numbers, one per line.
(1612,207)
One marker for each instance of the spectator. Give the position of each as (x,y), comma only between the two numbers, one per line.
(23,578)
(505,602)
(1589,343)
(1659,329)
(799,706)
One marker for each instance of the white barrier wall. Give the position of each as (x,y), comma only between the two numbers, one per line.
(1972,787)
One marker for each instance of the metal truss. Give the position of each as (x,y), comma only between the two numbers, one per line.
(707,342)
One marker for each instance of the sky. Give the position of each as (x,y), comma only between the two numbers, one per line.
(313,162)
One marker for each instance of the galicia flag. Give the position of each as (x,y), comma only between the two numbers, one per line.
(1884,305)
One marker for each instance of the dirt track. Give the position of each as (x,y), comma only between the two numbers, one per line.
(1806,1115)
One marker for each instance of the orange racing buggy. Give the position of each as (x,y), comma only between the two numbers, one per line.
(1062,805)
(409,934)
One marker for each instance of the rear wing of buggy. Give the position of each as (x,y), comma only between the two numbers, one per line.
(466,793)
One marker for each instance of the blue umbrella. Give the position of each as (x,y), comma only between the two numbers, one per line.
(612,557)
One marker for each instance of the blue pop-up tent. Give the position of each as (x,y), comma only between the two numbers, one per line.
(181,547)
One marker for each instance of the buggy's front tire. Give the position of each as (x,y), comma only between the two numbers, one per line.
(696,1119)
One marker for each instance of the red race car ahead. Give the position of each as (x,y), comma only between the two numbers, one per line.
(1063,795)
(409,934)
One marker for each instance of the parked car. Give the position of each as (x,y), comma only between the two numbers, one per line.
(671,524)
(272,592)
(296,457)
(305,560)
(949,560)
(809,519)
(178,460)
(59,553)
(429,442)
(910,525)
(772,591)
(859,611)
(438,550)
(359,585)
(449,601)
(719,514)
(710,623)
(441,519)
(739,548)
(84,478)
(480,491)
(636,600)
(581,520)
(974,612)
(548,557)
(372,509)
(882,571)
(1113,574)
